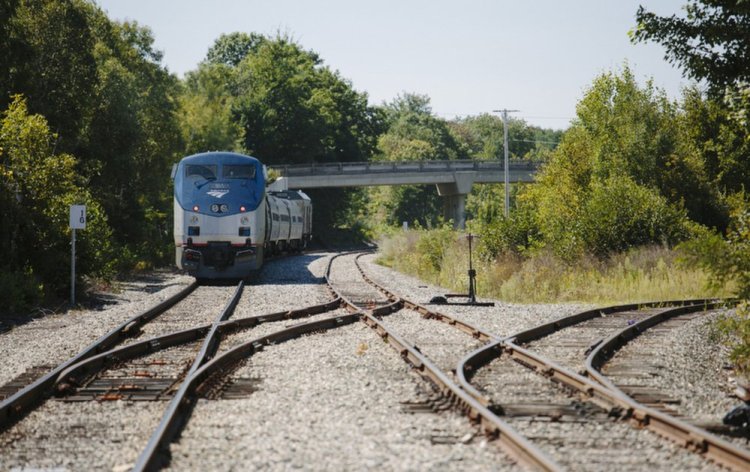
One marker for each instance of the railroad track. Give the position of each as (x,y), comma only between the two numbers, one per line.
(29,396)
(98,417)
(159,367)
(591,327)
(630,371)
(570,339)
(376,303)
(518,448)
(210,373)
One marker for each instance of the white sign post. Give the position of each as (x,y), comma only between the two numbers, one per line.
(77,221)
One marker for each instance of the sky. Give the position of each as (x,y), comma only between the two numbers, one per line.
(470,56)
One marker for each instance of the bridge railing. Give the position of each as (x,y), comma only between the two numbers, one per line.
(375,167)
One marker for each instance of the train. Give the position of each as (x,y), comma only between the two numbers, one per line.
(226,221)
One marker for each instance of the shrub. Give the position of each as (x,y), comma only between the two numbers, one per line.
(19,291)
(728,259)
(432,246)
(620,214)
(515,234)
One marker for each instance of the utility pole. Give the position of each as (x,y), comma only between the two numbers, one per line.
(505,112)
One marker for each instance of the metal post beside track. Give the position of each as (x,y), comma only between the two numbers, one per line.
(73,267)
(77,221)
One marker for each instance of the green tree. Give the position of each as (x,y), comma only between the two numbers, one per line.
(273,99)
(625,143)
(484,137)
(109,102)
(133,137)
(38,186)
(413,134)
(293,109)
(231,49)
(57,71)
(710,42)
(10,48)
(207,121)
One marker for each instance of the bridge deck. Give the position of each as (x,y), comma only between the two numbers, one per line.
(359,174)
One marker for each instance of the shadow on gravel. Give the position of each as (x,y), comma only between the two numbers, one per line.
(96,299)
(288,270)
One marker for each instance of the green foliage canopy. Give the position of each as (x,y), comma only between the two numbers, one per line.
(38,186)
(710,42)
(413,134)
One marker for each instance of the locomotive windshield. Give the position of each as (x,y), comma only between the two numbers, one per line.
(207,172)
(238,171)
(229,180)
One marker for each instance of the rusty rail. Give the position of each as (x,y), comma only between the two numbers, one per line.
(468,328)
(165,429)
(22,402)
(712,447)
(511,442)
(611,400)
(75,374)
(484,355)
(181,405)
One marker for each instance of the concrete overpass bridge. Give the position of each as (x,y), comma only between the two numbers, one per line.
(453,179)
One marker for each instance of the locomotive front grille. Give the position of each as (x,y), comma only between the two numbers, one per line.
(218,254)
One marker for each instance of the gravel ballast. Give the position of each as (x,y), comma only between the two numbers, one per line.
(581,437)
(338,399)
(503,319)
(685,363)
(55,338)
(333,401)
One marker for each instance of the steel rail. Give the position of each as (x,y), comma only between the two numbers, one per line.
(177,415)
(710,446)
(181,405)
(548,328)
(75,374)
(468,328)
(210,343)
(482,356)
(511,442)
(20,403)
(614,401)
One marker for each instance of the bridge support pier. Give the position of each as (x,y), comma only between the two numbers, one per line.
(454,197)
(454,208)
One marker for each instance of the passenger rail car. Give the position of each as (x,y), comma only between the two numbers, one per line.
(225,221)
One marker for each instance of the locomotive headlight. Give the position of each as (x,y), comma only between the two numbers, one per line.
(224,208)
(243,209)
(193,219)
(195,208)
(215,208)
(244,220)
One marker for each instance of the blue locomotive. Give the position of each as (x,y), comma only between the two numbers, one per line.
(224,219)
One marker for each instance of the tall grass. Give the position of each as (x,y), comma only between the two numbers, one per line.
(440,256)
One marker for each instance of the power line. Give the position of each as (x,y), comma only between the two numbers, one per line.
(521,116)
(549,117)
(532,141)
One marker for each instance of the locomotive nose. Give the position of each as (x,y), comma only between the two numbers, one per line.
(219,255)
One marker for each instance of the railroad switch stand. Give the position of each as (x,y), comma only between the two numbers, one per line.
(472,295)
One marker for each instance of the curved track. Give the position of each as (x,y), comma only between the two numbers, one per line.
(524,348)
(512,443)
(366,301)
(625,373)
(22,402)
